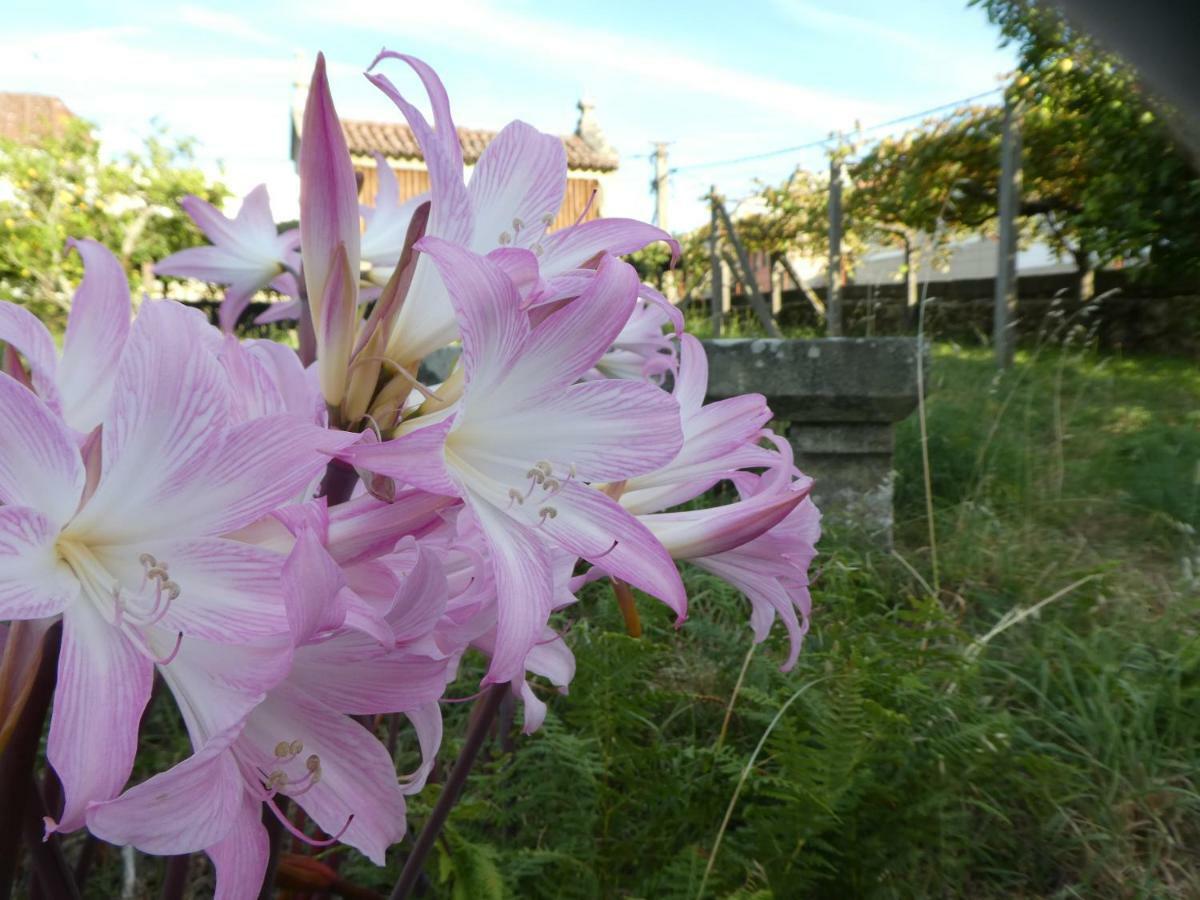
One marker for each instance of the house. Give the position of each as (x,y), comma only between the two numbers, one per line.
(29,118)
(965,259)
(591,161)
(972,257)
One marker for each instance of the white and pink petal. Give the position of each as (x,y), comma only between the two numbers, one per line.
(189,807)
(103,686)
(34,581)
(40,465)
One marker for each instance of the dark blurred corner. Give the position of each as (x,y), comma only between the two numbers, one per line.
(1158,37)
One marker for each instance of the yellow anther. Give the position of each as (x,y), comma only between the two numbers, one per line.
(282,749)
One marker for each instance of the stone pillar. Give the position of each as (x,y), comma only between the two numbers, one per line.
(841,399)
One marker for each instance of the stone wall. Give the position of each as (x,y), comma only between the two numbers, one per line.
(1134,319)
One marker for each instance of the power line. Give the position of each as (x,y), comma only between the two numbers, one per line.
(942,108)
(812,144)
(752,157)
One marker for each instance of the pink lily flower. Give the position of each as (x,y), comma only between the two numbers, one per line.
(772,572)
(267,378)
(247,252)
(526,438)
(329,235)
(643,350)
(372,543)
(470,619)
(550,658)
(386,223)
(123,540)
(718,439)
(763,545)
(79,384)
(515,192)
(300,742)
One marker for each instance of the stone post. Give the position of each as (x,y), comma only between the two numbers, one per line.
(841,399)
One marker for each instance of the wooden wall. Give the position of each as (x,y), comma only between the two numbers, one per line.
(416,181)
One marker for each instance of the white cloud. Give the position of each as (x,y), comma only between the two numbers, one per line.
(226,24)
(234,95)
(931,60)
(717,109)
(806,15)
(478,25)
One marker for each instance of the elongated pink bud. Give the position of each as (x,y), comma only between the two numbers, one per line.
(334,319)
(329,228)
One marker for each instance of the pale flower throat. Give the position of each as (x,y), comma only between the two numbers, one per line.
(156,593)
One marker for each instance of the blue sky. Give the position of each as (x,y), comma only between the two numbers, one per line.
(716,79)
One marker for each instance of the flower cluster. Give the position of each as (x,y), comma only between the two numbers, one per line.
(295,543)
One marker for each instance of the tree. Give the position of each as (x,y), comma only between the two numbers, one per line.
(916,190)
(1098,155)
(60,188)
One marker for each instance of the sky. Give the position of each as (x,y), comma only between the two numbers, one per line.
(717,80)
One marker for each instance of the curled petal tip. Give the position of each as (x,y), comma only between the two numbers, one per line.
(383,53)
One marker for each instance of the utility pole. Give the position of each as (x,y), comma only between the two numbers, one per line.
(833,315)
(715,263)
(661,190)
(1003,338)
(660,185)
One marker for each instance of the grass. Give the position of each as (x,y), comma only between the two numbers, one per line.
(1058,759)
(902,757)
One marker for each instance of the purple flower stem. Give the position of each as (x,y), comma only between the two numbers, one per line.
(338,483)
(21,745)
(274,844)
(482,717)
(175,876)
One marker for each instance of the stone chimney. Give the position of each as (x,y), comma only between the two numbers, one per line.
(589,129)
(302,71)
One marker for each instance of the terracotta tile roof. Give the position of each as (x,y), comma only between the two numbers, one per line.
(30,117)
(397,141)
